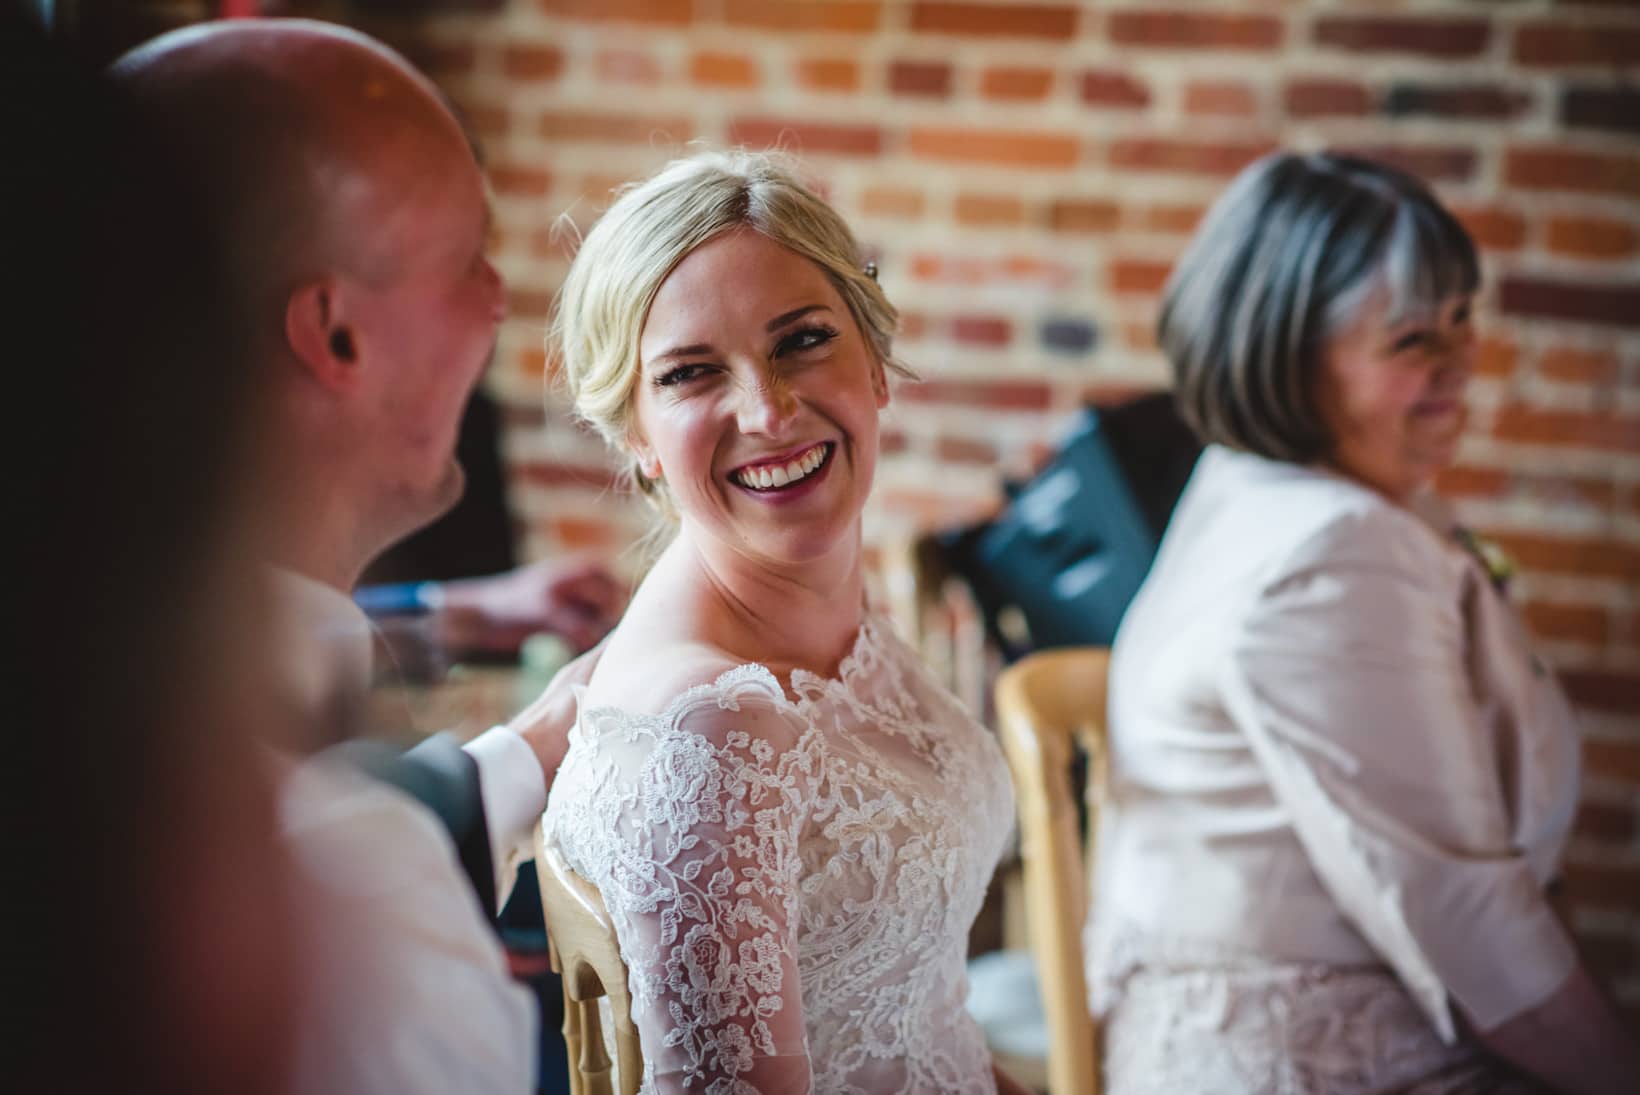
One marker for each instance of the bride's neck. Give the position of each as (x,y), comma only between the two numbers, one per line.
(784,617)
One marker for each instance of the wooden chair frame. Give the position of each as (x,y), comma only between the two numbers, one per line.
(1049,705)
(584,951)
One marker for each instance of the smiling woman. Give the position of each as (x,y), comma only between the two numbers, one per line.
(792,826)
(1341,782)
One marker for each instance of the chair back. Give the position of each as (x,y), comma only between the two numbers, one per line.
(581,940)
(1050,705)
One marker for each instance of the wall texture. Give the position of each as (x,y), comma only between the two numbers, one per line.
(1025,174)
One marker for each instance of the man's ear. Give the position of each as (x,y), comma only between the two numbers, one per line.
(317,329)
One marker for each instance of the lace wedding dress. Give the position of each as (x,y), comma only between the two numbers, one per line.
(793,880)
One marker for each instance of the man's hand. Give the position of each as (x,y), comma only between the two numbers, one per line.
(577,599)
(544,725)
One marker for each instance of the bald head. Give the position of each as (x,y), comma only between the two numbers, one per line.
(315,142)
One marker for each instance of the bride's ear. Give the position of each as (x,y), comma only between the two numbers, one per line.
(643,455)
(879,382)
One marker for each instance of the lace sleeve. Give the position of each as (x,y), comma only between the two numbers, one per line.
(689,828)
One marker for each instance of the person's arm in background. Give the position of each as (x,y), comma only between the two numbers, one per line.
(574,598)
(1574,1041)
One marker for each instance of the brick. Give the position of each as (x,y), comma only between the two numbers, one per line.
(1185,156)
(543,474)
(1606,691)
(1194,29)
(1050,21)
(892,201)
(1495,357)
(1069,336)
(989,210)
(835,139)
(1558,44)
(998,395)
(1572,623)
(1001,82)
(627,66)
(1553,168)
(1227,98)
(671,13)
(1604,886)
(1316,98)
(1014,149)
(1614,109)
(723,70)
(964,450)
(892,441)
(1449,38)
(1590,558)
(913,325)
(1112,89)
(1139,276)
(1603,429)
(614,128)
(1105,393)
(1574,365)
(828,74)
(1176,220)
(1608,823)
(532,63)
(578,534)
(445,60)
(1432,163)
(931,79)
(1462,481)
(515,181)
(1083,216)
(1462,101)
(1592,237)
(1616,305)
(486,121)
(1140,336)
(1493,228)
(528,304)
(982,330)
(839,17)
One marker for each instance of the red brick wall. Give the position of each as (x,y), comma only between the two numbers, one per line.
(1027,172)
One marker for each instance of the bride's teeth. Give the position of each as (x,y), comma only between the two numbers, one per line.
(767,478)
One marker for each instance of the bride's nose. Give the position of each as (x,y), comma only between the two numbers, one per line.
(765,407)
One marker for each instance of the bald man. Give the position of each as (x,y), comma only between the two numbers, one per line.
(358,222)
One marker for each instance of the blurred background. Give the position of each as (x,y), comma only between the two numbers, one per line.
(1024,174)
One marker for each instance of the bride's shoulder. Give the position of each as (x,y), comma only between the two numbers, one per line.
(648,678)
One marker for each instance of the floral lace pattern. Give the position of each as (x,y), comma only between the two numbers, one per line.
(1283,1029)
(793,880)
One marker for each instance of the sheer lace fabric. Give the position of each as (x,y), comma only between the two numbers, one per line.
(793,880)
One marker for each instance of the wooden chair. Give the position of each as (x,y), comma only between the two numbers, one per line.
(1049,706)
(581,941)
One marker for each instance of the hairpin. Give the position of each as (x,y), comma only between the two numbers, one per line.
(871,270)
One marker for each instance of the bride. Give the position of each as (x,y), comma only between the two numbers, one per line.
(791,824)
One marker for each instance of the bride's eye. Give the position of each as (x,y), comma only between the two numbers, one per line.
(805,338)
(680,374)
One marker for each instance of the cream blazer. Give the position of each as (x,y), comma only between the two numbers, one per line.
(1331,744)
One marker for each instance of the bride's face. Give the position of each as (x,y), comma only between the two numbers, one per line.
(757,401)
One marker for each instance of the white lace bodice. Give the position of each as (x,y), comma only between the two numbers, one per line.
(793,881)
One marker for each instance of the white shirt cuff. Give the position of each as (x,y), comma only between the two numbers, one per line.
(515,794)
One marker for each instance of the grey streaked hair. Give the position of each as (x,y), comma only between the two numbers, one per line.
(620,266)
(1284,259)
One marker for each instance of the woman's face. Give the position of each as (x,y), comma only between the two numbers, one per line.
(1392,395)
(757,400)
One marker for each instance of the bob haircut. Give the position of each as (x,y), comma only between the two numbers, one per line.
(1284,259)
(652,226)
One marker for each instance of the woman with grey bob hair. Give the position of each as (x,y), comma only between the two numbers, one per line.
(791,824)
(1340,781)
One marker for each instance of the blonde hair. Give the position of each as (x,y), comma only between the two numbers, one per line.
(653,226)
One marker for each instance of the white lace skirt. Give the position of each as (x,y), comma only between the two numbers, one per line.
(1283,1030)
